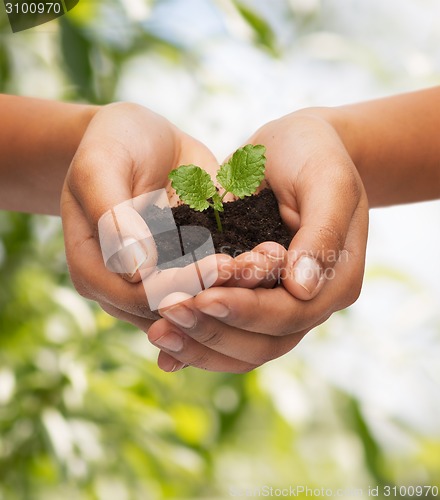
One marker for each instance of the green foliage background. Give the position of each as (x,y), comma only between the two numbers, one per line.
(84,411)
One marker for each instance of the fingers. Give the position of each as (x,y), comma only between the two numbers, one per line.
(186,351)
(224,339)
(260,267)
(273,312)
(179,350)
(93,281)
(212,345)
(167,363)
(276,312)
(170,286)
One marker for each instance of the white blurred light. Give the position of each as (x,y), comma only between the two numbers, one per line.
(70,301)
(137,10)
(7,385)
(226,399)
(419,64)
(109,488)
(287,393)
(59,433)
(304,6)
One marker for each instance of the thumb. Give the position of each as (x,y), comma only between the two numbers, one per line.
(325,218)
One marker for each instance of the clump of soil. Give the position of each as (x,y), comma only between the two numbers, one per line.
(246,223)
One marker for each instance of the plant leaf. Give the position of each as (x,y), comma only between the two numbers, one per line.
(243,173)
(193,185)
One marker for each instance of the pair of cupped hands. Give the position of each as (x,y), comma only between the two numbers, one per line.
(244,321)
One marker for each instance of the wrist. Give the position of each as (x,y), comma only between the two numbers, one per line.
(340,123)
(393,143)
(347,131)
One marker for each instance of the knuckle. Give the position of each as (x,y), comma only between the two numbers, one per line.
(207,332)
(210,337)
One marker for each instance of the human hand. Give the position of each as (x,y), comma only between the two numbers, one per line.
(322,198)
(127,150)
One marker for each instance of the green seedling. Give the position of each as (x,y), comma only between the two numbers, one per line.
(240,176)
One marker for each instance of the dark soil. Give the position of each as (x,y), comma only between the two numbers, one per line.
(246,223)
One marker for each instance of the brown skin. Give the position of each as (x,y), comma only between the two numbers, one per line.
(123,150)
(394,145)
(38,139)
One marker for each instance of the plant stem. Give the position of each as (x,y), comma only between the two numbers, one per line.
(223,195)
(219,222)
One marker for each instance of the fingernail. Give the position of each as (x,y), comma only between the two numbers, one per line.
(215,309)
(171,365)
(210,277)
(178,366)
(132,256)
(272,257)
(170,341)
(307,273)
(181,316)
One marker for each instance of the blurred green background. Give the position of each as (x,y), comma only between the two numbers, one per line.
(84,411)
